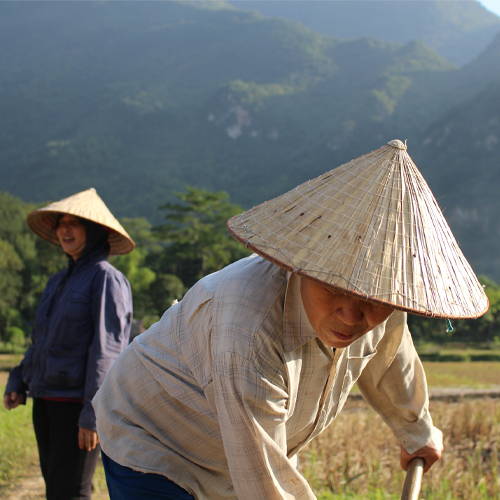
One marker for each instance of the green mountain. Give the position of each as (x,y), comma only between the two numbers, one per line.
(120,93)
(464,145)
(140,99)
(485,67)
(462,150)
(457,29)
(457,134)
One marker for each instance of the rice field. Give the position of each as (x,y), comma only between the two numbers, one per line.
(357,458)
(477,375)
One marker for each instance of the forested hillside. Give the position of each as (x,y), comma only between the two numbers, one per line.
(140,99)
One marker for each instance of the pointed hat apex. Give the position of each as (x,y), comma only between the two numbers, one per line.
(373,228)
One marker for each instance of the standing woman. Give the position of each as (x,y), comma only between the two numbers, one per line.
(82,323)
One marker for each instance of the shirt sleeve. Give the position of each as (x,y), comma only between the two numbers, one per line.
(252,411)
(20,375)
(112,318)
(394,384)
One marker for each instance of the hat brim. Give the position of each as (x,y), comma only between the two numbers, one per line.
(284,265)
(43,223)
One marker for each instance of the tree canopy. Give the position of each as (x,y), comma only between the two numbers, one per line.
(192,241)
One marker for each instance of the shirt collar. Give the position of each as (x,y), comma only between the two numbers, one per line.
(297,329)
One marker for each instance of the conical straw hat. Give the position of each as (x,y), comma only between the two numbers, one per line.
(372,228)
(87,205)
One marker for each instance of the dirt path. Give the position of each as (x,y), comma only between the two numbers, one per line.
(30,486)
(455,394)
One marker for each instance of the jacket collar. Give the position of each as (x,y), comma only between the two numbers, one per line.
(95,255)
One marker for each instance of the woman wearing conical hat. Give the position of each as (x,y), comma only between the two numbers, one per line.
(82,323)
(218,398)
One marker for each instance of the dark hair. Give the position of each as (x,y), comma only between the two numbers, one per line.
(97,237)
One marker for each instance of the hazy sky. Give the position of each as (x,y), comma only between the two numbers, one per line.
(493,5)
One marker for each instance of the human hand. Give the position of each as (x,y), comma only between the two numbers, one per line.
(87,439)
(12,400)
(430,453)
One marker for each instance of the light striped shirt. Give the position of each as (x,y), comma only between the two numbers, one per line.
(223,392)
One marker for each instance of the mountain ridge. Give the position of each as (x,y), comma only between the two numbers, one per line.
(458,30)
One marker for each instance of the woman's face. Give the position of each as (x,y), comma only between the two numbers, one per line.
(337,318)
(71,235)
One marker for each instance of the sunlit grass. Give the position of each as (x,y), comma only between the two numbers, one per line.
(17,443)
(482,374)
(8,361)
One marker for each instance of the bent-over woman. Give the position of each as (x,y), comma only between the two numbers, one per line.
(218,399)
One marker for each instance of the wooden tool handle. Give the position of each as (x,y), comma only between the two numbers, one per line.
(413,480)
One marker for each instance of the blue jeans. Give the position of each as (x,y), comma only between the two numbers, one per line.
(127,484)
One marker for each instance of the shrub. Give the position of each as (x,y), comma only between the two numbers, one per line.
(453,357)
(429,356)
(485,357)
(446,356)
(15,336)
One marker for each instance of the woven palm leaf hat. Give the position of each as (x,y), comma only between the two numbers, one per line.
(87,205)
(372,228)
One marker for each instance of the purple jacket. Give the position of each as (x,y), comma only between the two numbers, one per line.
(82,324)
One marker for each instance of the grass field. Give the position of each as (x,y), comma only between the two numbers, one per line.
(16,442)
(7,361)
(356,458)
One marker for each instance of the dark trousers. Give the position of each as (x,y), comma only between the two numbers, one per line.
(66,469)
(127,484)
